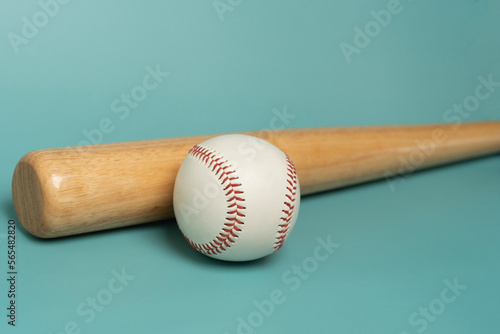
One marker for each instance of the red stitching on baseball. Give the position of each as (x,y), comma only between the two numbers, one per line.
(289,203)
(235,207)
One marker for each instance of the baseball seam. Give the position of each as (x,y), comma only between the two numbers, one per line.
(233,193)
(290,197)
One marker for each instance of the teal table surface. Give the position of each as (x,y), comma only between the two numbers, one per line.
(419,255)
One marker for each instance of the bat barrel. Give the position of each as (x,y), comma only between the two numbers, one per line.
(72,190)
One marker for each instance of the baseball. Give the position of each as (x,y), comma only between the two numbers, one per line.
(236,197)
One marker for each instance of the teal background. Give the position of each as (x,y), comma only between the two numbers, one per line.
(396,246)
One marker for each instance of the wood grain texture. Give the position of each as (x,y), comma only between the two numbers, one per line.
(72,190)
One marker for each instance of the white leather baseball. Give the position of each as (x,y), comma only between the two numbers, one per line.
(236,197)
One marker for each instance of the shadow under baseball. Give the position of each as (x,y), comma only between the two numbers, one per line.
(176,244)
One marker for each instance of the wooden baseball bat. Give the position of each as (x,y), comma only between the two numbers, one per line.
(64,191)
